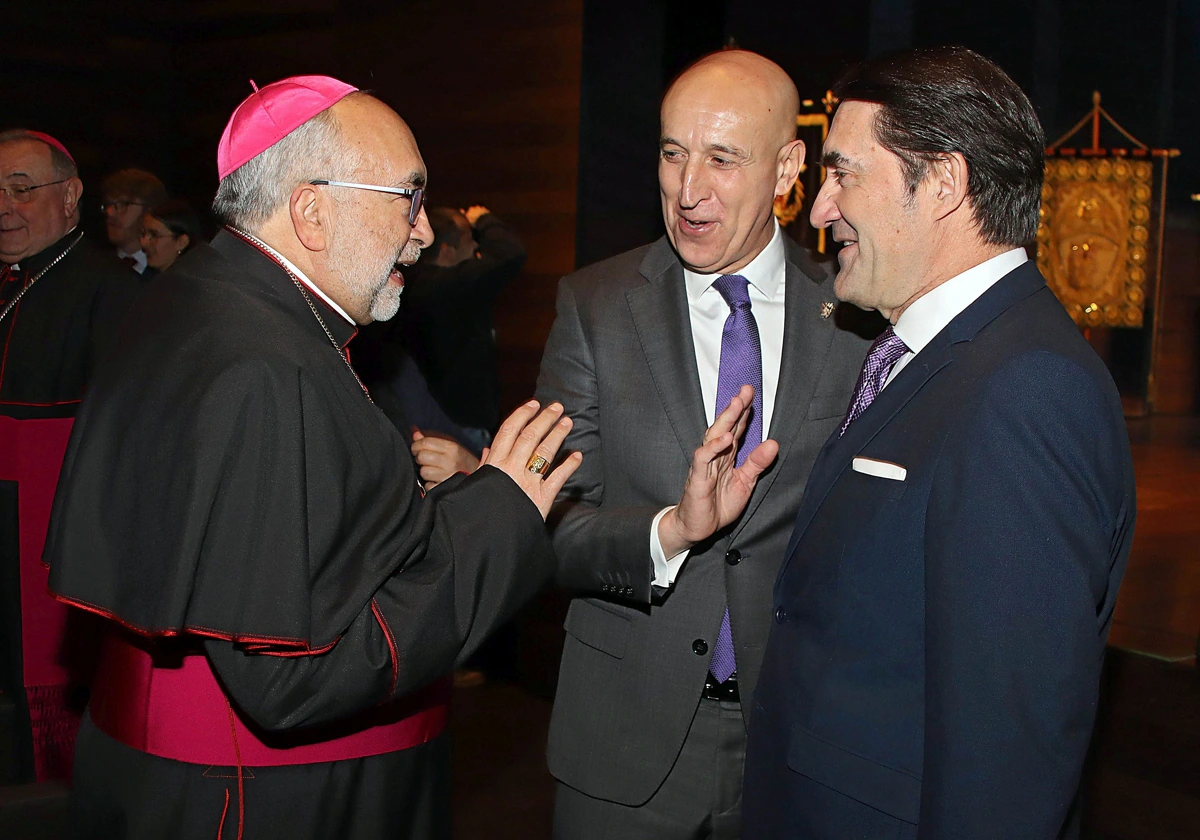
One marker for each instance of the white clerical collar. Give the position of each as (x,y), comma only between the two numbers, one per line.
(308,284)
(929,314)
(765,272)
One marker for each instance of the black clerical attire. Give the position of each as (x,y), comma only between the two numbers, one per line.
(447,315)
(236,503)
(61,326)
(59,312)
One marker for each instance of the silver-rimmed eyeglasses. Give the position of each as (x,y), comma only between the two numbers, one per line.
(417,194)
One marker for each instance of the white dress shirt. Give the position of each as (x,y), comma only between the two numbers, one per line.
(929,314)
(138,257)
(707,311)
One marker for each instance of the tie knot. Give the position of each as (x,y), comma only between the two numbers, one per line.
(734,288)
(888,347)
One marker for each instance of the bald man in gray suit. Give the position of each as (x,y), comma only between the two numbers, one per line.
(666,633)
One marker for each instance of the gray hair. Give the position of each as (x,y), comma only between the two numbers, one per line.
(63,166)
(249,195)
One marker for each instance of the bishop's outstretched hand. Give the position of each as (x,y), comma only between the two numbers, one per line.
(524,436)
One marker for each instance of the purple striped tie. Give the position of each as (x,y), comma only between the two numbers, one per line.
(881,358)
(741,364)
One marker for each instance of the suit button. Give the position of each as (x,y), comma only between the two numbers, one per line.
(699,647)
(733,557)
(629,591)
(780,615)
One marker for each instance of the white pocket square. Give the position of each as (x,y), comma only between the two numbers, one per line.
(880,469)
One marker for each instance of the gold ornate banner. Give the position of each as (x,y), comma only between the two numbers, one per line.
(1094,238)
(1101,230)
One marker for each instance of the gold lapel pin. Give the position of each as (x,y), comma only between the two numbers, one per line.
(827,308)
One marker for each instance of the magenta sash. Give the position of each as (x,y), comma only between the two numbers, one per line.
(179,711)
(31,454)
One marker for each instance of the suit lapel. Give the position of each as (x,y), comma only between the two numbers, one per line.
(935,357)
(659,311)
(839,452)
(807,338)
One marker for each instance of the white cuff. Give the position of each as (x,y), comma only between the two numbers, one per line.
(665,569)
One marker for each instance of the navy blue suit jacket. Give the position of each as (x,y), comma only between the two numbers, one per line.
(933,667)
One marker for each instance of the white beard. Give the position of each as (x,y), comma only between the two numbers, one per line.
(367,281)
(385,302)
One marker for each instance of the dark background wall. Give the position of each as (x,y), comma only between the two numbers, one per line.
(1142,55)
(516,104)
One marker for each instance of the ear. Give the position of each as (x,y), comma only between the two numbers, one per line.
(72,193)
(791,158)
(183,240)
(947,182)
(310,214)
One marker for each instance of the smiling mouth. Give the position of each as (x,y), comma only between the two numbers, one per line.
(695,227)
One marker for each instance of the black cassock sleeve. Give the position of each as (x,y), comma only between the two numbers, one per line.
(487,555)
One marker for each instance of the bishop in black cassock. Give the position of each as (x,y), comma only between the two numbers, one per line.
(285,599)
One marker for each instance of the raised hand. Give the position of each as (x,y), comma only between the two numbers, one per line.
(524,436)
(717,490)
(474,213)
(440,457)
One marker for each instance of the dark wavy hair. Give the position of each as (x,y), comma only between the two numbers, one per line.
(951,99)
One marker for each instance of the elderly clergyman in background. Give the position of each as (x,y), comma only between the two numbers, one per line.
(62,297)
(283,600)
(940,618)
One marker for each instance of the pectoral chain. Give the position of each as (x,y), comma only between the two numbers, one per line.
(266,249)
(29,283)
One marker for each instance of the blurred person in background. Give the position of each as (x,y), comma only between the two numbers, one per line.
(168,230)
(126,195)
(447,315)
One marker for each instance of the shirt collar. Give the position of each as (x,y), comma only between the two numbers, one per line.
(929,314)
(138,257)
(765,271)
(308,284)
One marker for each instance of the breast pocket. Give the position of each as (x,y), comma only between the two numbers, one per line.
(895,792)
(598,628)
(868,487)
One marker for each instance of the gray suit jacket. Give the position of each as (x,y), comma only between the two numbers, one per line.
(621,359)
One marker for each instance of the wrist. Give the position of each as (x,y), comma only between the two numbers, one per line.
(670,535)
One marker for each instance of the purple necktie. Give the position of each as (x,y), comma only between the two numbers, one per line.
(741,364)
(881,358)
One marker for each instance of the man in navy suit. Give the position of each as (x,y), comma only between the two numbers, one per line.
(942,609)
